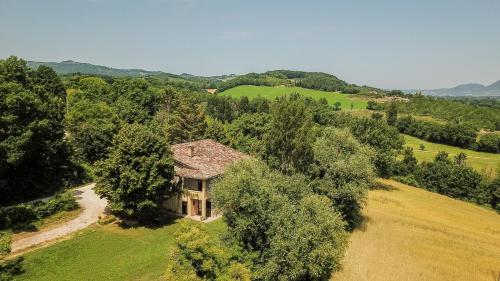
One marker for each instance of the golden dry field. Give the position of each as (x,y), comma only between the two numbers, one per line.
(413,234)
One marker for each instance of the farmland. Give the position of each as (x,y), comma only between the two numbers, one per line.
(486,163)
(274,92)
(413,234)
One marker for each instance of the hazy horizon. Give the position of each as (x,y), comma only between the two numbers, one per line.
(386,44)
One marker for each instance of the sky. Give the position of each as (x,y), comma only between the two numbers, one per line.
(384,43)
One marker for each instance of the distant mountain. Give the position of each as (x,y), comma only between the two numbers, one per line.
(69,66)
(472,89)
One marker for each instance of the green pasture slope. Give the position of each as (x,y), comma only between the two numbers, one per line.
(485,163)
(108,253)
(274,92)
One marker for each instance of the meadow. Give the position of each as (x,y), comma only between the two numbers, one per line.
(108,253)
(274,92)
(413,234)
(487,164)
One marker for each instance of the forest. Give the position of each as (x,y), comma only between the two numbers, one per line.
(289,210)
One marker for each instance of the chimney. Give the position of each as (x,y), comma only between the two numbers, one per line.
(191,151)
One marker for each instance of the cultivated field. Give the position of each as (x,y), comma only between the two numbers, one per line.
(485,163)
(274,92)
(413,234)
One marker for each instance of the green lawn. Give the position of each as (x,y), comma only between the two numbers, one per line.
(274,92)
(107,253)
(485,163)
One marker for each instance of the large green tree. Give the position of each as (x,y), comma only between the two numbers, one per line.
(343,171)
(33,152)
(291,233)
(137,173)
(91,127)
(289,138)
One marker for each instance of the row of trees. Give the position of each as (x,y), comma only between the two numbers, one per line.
(451,177)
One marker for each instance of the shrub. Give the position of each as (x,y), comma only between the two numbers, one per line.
(21,214)
(5,240)
(61,202)
(10,268)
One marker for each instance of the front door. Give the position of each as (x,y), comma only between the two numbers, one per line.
(196,210)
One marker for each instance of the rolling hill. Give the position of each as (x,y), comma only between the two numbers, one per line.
(471,89)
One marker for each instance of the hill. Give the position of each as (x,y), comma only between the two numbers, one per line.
(69,66)
(274,92)
(288,78)
(472,89)
(413,234)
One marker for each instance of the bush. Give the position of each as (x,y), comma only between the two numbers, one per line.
(10,268)
(21,217)
(409,180)
(61,202)
(5,240)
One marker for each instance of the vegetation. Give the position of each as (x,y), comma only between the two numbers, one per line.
(253,92)
(34,157)
(310,80)
(474,116)
(448,133)
(273,216)
(137,172)
(11,268)
(487,164)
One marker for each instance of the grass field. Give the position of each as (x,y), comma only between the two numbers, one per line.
(413,234)
(485,163)
(274,92)
(107,253)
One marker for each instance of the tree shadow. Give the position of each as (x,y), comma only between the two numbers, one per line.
(363,225)
(162,219)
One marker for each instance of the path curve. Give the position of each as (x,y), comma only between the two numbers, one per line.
(93,207)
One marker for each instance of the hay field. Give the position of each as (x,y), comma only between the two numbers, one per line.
(413,234)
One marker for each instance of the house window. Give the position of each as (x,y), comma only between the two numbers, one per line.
(200,185)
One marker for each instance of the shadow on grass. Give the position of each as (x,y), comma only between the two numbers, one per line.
(161,220)
(363,225)
(378,185)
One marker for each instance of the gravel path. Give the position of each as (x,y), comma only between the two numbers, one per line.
(92,205)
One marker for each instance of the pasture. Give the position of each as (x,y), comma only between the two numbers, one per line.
(274,92)
(413,234)
(487,164)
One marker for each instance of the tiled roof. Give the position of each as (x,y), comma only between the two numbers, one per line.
(203,159)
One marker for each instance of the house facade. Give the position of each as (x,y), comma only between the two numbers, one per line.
(197,164)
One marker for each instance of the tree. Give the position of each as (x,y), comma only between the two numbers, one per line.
(289,139)
(91,127)
(336,106)
(180,118)
(197,256)
(33,153)
(392,114)
(343,171)
(137,172)
(290,233)
(246,133)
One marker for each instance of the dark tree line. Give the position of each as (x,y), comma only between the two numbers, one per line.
(34,156)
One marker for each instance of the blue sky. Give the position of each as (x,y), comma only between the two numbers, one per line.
(389,44)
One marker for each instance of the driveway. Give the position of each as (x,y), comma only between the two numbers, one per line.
(92,205)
